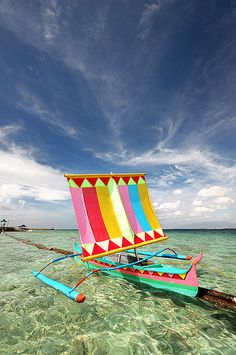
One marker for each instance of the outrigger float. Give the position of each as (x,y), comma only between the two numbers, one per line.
(115,217)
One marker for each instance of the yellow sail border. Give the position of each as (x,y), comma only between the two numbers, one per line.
(91,257)
(102,175)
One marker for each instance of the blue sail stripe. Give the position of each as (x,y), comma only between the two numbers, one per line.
(137,207)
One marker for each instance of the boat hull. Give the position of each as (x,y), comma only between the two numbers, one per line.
(185,284)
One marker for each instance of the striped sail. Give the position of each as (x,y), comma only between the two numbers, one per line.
(113,212)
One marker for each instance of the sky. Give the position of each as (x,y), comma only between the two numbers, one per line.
(95,86)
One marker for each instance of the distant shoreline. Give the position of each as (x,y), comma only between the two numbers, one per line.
(26,229)
(199,229)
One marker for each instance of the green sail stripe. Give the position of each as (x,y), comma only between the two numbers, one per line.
(86,183)
(72,183)
(131,182)
(99,183)
(121,182)
(141,180)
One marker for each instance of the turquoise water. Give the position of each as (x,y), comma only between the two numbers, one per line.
(117,317)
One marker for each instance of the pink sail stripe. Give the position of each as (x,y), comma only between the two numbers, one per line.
(124,193)
(86,234)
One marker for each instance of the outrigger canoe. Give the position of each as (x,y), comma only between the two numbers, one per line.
(115,217)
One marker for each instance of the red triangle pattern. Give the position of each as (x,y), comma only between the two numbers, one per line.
(85,253)
(117,179)
(165,275)
(105,180)
(148,237)
(126,243)
(112,245)
(146,272)
(137,240)
(177,277)
(126,179)
(92,181)
(78,181)
(136,178)
(97,249)
(157,235)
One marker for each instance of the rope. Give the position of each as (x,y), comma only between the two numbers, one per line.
(56,260)
(71,243)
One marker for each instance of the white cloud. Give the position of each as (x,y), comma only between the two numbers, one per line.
(149,11)
(40,27)
(189,211)
(177,192)
(7,131)
(169,205)
(148,15)
(178,213)
(50,19)
(224,200)
(33,104)
(199,168)
(47,27)
(213,191)
(202,209)
(190,181)
(212,204)
(197,203)
(21,202)
(16,191)
(169,177)
(209,164)
(22,177)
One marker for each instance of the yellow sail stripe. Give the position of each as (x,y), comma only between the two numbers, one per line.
(147,206)
(107,212)
(120,211)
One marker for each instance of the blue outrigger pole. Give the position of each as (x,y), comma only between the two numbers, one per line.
(73,295)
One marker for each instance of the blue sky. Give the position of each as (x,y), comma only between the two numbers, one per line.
(121,86)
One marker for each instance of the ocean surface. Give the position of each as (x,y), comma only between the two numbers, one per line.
(117,317)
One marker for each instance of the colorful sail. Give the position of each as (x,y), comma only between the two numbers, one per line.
(113,212)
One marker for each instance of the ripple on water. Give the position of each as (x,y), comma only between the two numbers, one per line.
(117,317)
